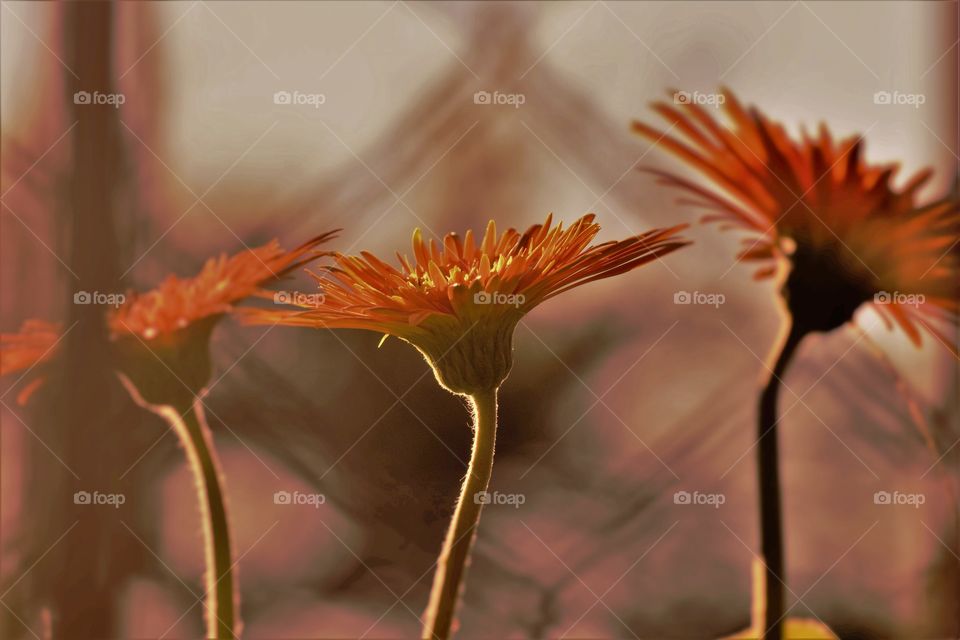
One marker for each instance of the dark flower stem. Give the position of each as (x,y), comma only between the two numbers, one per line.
(455,556)
(197,441)
(768,476)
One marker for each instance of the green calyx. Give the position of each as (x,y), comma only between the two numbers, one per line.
(172,368)
(468,356)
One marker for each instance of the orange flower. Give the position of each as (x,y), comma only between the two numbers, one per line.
(850,235)
(459,303)
(162,336)
(153,327)
(179,302)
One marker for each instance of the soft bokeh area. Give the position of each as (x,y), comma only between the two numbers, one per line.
(238,122)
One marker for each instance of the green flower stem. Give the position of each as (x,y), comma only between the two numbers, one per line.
(455,555)
(197,440)
(768,476)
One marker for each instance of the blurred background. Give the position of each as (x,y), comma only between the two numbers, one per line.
(225,124)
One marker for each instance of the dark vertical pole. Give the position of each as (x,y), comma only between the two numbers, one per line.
(85,574)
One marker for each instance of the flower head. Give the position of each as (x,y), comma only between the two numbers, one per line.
(849,234)
(179,302)
(458,302)
(161,337)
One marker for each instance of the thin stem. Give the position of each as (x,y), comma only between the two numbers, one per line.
(768,476)
(221,596)
(455,555)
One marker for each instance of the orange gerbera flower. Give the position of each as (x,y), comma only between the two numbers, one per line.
(459,303)
(171,325)
(162,340)
(180,311)
(850,235)
(179,302)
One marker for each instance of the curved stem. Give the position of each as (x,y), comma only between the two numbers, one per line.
(186,417)
(768,477)
(455,555)
(221,596)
